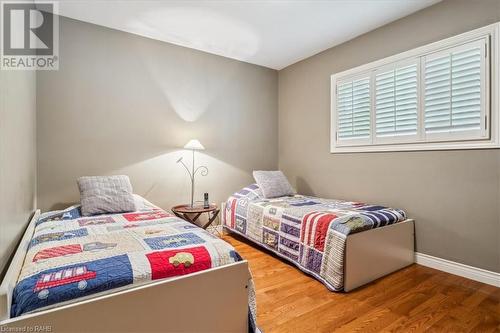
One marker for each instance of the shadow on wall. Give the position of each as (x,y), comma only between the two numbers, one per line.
(161,180)
(141,101)
(303,187)
(214,105)
(63,205)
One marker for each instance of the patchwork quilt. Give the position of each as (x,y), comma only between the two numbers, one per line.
(71,257)
(308,231)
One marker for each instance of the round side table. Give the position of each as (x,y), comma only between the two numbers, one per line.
(191,214)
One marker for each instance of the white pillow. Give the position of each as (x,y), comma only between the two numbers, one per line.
(273,184)
(106,194)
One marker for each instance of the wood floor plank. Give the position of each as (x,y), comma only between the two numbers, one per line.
(414,299)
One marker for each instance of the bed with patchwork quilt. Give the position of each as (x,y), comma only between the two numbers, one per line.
(71,257)
(307,231)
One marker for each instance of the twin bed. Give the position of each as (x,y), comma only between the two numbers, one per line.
(131,271)
(145,270)
(323,237)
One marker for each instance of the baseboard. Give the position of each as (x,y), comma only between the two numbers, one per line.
(470,272)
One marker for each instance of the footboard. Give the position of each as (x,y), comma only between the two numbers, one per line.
(374,253)
(214,300)
(10,278)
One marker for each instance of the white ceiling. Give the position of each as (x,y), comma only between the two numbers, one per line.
(274,33)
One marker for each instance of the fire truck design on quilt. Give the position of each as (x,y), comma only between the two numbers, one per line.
(78,275)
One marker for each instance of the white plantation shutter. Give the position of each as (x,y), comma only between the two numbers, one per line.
(353,109)
(454,90)
(396,101)
(444,95)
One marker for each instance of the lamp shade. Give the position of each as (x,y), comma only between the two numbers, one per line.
(194,145)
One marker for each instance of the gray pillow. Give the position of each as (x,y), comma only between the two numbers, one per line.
(273,184)
(106,194)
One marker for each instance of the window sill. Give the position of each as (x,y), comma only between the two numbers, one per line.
(461,145)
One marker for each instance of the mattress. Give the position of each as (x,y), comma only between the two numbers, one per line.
(71,257)
(307,231)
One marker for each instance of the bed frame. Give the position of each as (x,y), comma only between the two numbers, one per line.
(214,300)
(377,252)
(374,253)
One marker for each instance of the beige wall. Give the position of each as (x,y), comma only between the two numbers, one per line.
(17,157)
(453,195)
(123,104)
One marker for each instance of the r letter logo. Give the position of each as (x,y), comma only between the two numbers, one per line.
(30,36)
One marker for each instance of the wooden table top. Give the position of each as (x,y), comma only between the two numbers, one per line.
(186,209)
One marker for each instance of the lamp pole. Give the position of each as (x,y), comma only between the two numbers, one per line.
(192,174)
(192,183)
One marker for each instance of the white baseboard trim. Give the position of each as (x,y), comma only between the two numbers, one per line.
(470,272)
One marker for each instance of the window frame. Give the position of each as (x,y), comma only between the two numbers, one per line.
(423,141)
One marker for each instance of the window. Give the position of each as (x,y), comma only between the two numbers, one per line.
(354,109)
(454,84)
(439,96)
(396,100)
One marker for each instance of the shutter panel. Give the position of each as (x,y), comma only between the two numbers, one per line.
(396,101)
(453,95)
(353,109)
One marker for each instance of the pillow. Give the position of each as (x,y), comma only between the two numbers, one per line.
(251,192)
(106,194)
(273,184)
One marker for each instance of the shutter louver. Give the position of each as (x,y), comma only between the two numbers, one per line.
(396,102)
(353,105)
(453,91)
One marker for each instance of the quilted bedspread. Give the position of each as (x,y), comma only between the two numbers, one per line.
(308,231)
(71,257)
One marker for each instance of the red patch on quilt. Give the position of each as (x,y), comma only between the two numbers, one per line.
(322,224)
(314,229)
(233,212)
(57,251)
(146,216)
(178,262)
(307,220)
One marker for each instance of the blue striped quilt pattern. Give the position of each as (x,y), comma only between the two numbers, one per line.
(308,231)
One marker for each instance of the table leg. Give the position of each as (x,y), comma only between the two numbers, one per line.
(211,219)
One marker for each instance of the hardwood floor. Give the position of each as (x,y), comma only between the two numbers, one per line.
(414,299)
